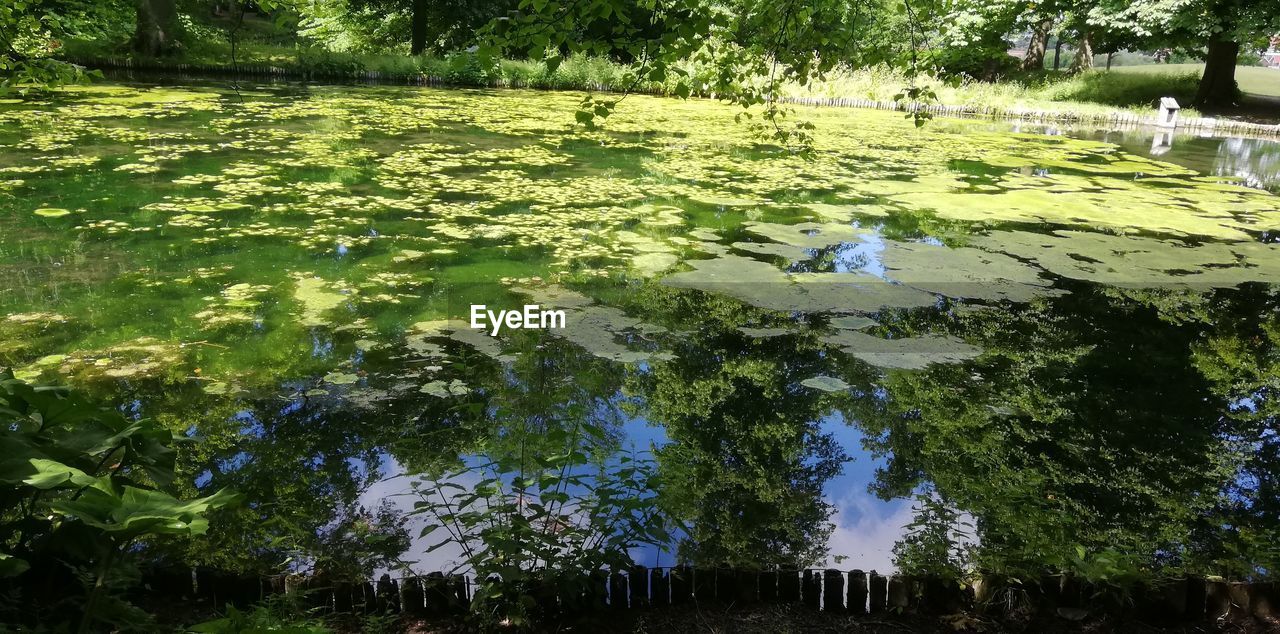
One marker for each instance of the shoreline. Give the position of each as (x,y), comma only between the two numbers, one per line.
(1115,118)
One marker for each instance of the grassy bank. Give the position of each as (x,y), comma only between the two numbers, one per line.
(1093,94)
(1253,80)
(1090,95)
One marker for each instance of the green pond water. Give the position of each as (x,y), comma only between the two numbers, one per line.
(1067,342)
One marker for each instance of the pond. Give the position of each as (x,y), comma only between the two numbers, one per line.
(960,343)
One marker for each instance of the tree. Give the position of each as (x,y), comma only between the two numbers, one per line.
(1084,52)
(1063,457)
(1033,60)
(754,47)
(157,27)
(747,461)
(29,37)
(426,25)
(1218,28)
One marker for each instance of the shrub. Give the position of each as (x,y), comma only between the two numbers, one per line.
(1126,90)
(319,62)
(547,526)
(80,488)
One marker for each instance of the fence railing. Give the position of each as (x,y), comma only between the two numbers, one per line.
(856,592)
(1115,119)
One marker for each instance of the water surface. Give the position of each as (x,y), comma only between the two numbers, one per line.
(981,347)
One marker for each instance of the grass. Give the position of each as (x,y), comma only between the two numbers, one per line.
(1092,94)
(1253,80)
(1096,94)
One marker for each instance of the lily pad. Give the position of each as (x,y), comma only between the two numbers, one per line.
(826,384)
(341,378)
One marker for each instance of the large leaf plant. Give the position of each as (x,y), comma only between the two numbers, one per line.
(81,487)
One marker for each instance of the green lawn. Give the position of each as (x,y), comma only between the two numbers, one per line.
(1254,80)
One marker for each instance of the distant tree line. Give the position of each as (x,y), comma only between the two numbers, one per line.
(754,46)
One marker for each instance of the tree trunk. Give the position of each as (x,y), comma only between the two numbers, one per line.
(1218,85)
(1109,57)
(418,45)
(1084,53)
(1057,53)
(1034,59)
(156,32)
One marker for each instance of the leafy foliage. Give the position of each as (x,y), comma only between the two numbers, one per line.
(82,485)
(934,543)
(28,40)
(272,616)
(753,48)
(529,523)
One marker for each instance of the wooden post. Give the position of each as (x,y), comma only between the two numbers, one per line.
(638,582)
(597,591)
(898,593)
(726,585)
(1051,591)
(769,586)
(573,601)
(1172,599)
(704,584)
(857,603)
(681,585)
(388,595)
(227,589)
(546,599)
(1217,600)
(832,590)
(945,596)
(659,587)
(412,597)
(319,595)
(1266,600)
(788,586)
(1240,598)
(368,598)
(343,598)
(811,589)
(745,587)
(618,591)
(878,591)
(271,586)
(459,597)
(1197,590)
(435,590)
(1071,593)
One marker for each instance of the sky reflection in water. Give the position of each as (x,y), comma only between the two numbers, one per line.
(1045,334)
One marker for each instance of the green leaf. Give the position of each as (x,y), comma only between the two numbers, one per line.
(48,474)
(134,512)
(11,566)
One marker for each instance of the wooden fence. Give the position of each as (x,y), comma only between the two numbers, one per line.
(854,592)
(1115,119)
